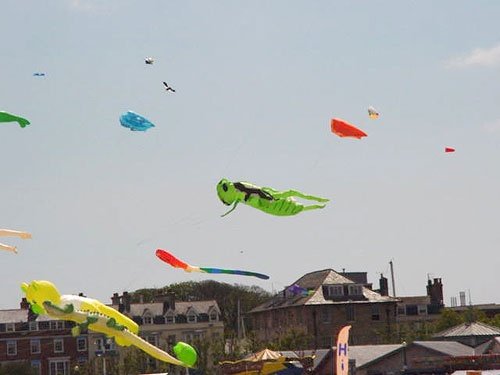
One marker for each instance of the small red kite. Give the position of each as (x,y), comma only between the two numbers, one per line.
(449,149)
(344,129)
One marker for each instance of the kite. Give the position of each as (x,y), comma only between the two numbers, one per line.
(372,113)
(89,313)
(12,233)
(296,289)
(342,356)
(39,74)
(449,149)
(149,60)
(8,117)
(167,87)
(274,202)
(135,122)
(177,263)
(344,129)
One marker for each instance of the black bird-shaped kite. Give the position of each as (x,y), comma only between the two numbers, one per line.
(167,87)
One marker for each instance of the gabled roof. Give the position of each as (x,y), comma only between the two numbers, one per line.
(314,281)
(469,329)
(365,354)
(450,348)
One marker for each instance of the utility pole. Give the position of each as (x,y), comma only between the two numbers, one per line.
(392,277)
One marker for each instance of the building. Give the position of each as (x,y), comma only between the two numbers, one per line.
(320,303)
(416,313)
(44,343)
(162,323)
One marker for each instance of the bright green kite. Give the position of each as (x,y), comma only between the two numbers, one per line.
(8,117)
(274,202)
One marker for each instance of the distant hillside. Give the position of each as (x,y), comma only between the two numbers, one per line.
(226,295)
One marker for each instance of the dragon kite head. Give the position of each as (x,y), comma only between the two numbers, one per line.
(39,291)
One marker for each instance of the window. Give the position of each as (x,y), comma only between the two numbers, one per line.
(401,309)
(355,290)
(349,310)
(214,316)
(99,344)
(58,346)
(57,325)
(152,339)
(422,309)
(59,367)
(35,346)
(33,326)
(411,310)
(375,312)
(11,347)
(148,319)
(191,317)
(81,344)
(335,290)
(10,327)
(36,366)
(170,318)
(171,339)
(325,315)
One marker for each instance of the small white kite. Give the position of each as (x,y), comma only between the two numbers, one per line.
(373,113)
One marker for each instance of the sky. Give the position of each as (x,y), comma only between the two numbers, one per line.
(257,83)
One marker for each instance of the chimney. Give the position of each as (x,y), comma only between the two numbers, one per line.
(126,298)
(169,302)
(25,305)
(435,292)
(115,300)
(384,285)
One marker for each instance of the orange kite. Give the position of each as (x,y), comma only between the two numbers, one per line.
(344,129)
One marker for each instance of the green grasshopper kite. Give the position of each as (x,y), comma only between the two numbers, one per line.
(271,201)
(9,117)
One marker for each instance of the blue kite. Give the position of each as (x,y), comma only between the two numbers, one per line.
(135,122)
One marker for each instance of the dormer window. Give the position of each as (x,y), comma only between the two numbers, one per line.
(191,317)
(335,290)
(170,318)
(214,316)
(355,290)
(10,327)
(147,319)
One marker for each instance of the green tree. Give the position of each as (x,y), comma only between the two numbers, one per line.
(447,319)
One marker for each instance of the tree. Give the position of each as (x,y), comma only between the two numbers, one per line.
(17,368)
(447,319)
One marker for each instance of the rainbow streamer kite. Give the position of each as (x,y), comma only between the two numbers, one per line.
(177,263)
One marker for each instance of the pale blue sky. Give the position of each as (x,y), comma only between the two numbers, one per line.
(257,84)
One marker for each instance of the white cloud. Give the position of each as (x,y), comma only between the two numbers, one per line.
(492,126)
(478,57)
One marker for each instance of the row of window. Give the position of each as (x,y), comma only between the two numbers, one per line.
(56,366)
(412,310)
(290,317)
(36,346)
(190,318)
(339,290)
(53,325)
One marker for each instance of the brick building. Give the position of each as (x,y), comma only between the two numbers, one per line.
(331,301)
(44,343)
